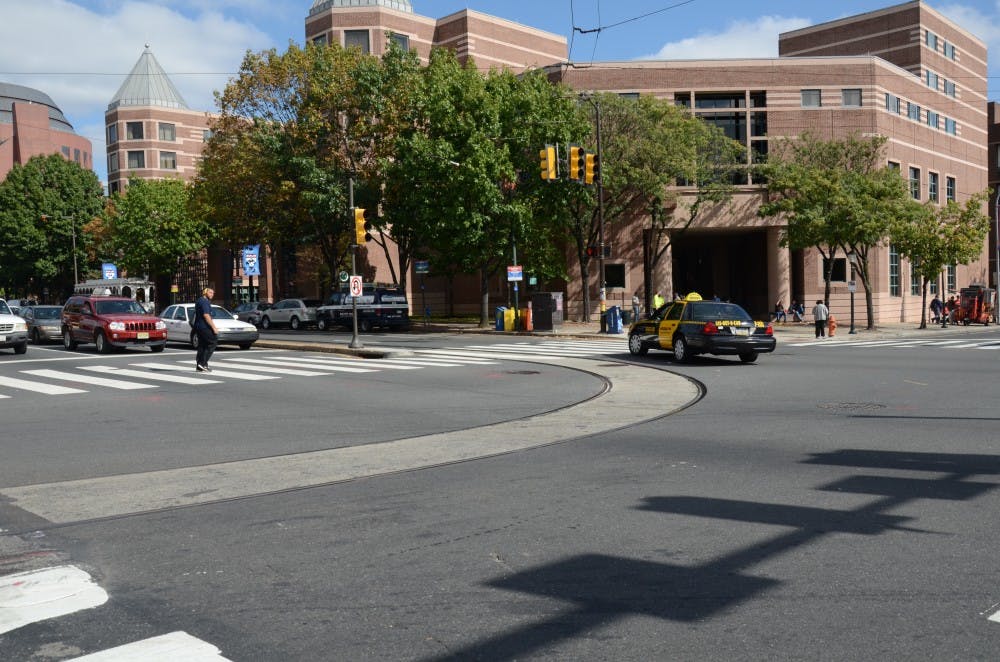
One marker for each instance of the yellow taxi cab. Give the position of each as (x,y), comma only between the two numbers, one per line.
(692,326)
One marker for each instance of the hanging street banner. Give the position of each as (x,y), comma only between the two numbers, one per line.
(109,271)
(251,260)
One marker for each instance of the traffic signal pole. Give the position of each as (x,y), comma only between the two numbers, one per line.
(355,341)
(600,211)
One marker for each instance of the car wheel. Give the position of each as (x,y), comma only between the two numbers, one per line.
(246,345)
(681,354)
(294,323)
(103,346)
(636,346)
(155,349)
(321,324)
(364,326)
(68,341)
(265,322)
(748,357)
(194,340)
(35,338)
(21,349)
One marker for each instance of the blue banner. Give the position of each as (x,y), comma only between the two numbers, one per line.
(251,260)
(109,271)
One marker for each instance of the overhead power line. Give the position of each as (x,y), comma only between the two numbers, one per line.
(601,28)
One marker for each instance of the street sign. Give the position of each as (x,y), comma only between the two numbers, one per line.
(421,266)
(344,276)
(356,286)
(515,273)
(852,286)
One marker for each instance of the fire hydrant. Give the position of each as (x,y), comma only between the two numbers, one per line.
(831,323)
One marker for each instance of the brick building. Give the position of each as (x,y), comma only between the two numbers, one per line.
(32,125)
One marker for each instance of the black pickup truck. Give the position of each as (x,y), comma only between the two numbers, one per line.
(378,308)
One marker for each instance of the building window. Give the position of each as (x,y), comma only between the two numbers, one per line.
(932,186)
(949,50)
(933,286)
(113,162)
(357,39)
(949,189)
(811,99)
(933,120)
(851,98)
(136,160)
(758,99)
(112,134)
(76,155)
(839,273)
(949,88)
(893,271)
(401,40)
(951,270)
(932,41)
(629,95)
(914,183)
(113,188)
(168,160)
(892,165)
(206,135)
(950,126)
(932,80)
(892,103)
(133,131)
(913,111)
(168,132)
(718,101)
(320,40)
(914,278)
(682,100)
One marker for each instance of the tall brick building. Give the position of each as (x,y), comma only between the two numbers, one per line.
(32,125)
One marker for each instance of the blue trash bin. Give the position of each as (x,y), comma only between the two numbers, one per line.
(499,318)
(615,320)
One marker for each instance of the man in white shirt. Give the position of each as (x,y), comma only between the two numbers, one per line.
(820,313)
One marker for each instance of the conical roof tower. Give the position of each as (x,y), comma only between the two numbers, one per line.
(148,85)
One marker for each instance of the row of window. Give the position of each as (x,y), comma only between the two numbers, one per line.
(136,160)
(933,184)
(947,47)
(849,98)
(934,82)
(933,119)
(895,271)
(79,157)
(361,39)
(166,132)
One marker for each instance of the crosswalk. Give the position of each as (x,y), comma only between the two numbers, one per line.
(47,594)
(837,343)
(140,373)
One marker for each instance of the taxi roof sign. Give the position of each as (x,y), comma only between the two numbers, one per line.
(694,296)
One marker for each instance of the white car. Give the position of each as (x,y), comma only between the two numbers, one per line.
(13,330)
(231,331)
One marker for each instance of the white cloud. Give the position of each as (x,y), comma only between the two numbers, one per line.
(740,39)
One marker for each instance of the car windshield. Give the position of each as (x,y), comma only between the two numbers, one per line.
(119,307)
(710,311)
(47,312)
(4,308)
(220,313)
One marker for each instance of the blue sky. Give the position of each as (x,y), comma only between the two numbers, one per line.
(79,51)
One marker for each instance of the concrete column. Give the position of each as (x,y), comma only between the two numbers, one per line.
(663,275)
(778,270)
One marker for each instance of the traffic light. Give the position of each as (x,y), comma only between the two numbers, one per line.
(361,226)
(549,166)
(593,251)
(576,162)
(591,168)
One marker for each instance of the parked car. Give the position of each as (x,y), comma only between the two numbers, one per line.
(110,323)
(294,313)
(180,327)
(251,311)
(692,326)
(13,330)
(379,307)
(44,323)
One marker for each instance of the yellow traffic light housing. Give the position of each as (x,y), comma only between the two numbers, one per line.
(576,162)
(361,226)
(590,168)
(549,168)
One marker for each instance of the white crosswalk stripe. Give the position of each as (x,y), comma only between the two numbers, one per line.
(901,344)
(50,593)
(88,379)
(189,367)
(37,387)
(282,361)
(151,374)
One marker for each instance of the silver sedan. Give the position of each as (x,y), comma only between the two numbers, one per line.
(44,323)
(231,331)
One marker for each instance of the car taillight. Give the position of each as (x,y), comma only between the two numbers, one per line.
(769,330)
(709,328)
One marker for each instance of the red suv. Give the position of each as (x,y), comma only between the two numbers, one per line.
(110,323)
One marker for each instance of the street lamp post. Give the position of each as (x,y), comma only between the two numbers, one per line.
(996,240)
(852,286)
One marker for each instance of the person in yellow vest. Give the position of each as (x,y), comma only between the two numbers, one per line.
(658,301)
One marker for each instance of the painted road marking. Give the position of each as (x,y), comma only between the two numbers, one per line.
(390,364)
(150,374)
(173,646)
(37,595)
(37,387)
(302,364)
(88,379)
(176,367)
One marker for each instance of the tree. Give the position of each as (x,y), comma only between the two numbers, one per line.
(150,227)
(933,237)
(45,207)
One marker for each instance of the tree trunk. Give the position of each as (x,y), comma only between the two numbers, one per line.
(484,291)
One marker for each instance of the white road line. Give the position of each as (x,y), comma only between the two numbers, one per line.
(177,367)
(819,342)
(289,372)
(37,387)
(537,349)
(490,355)
(37,595)
(389,364)
(88,379)
(298,364)
(150,374)
(173,646)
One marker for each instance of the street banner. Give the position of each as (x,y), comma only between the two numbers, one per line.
(421,266)
(515,273)
(251,260)
(109,271)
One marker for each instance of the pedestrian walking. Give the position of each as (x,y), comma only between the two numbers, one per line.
(820,313)
(636,307)
(936,308)
(205,329)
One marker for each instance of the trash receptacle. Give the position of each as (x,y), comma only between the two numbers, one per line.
(508,319)
(499,318)
(614,319)
(526,320)
(626,317)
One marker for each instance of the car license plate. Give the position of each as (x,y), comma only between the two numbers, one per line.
(142,335)
(742,332)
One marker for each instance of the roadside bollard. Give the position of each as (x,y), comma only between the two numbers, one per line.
(831,323)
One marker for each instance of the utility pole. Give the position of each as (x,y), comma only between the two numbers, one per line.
(355,341)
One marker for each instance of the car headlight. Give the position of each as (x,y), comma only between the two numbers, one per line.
(117,326)
(160,325)
(21,326)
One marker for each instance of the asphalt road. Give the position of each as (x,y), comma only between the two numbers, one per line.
(833,501)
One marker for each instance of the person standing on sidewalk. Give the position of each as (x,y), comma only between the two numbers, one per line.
(205,329)
(820,313)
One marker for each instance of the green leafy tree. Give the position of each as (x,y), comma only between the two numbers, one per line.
(933,237)
(46,205)
(149,228)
